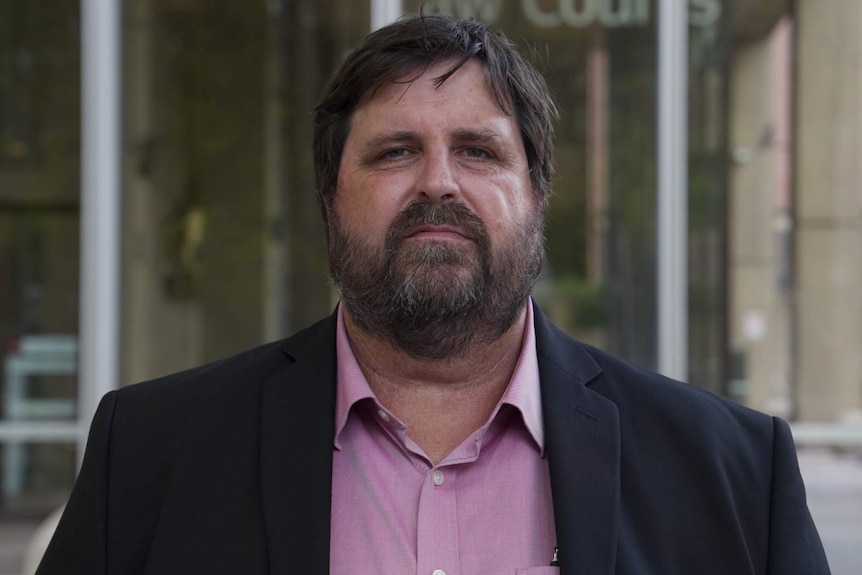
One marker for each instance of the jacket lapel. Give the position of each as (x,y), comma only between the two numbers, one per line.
(583,446)
(296,476)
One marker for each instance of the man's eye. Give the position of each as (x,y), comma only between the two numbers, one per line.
(395,153)
(477,153)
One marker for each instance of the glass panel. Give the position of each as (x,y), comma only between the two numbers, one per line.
(225,246)
(39,225)
(710,40)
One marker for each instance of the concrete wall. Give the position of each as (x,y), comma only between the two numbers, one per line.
(760,326)
(796,306)
(829,209)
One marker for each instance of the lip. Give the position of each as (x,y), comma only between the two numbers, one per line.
(438,232)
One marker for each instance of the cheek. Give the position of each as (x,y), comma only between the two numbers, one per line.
(362,215)
(513,205)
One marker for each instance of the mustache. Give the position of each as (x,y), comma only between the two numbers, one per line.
(427,213)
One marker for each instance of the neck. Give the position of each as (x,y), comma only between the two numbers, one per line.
(440,401)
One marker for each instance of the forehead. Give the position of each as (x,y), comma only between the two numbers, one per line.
(464,98)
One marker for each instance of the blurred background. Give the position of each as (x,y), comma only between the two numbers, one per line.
(221,244)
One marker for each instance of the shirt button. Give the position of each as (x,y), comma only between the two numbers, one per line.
(437,479)
(438,572)
(383,415)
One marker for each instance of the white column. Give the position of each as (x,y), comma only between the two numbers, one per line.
(672,217)
(385,12)
(100,206)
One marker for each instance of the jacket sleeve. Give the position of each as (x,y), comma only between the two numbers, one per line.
(794,545)
(79,543)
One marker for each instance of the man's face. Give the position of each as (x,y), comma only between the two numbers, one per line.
(435,229)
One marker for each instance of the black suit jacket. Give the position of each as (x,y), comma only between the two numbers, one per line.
(227,469)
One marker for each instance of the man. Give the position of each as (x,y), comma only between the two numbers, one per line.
(437,423)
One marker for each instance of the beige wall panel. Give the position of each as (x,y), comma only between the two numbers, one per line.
(752,288)
(829,96)
(830,323)
(751,177)
(829,227)
(758,317)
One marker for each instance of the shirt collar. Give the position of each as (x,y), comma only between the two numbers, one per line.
(523,392)
(352,387)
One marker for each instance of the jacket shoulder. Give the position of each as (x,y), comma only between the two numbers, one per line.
(648,404)
(637,390)
(213,398)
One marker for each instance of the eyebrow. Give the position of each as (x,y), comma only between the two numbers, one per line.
(388,138)
(487,137)
(467,135)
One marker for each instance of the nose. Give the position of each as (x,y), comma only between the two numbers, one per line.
(437,179)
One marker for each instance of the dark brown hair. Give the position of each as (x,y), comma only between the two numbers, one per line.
(403,51)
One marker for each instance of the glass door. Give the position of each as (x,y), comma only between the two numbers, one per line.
(39,226)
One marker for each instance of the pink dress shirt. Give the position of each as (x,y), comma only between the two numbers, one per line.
(484,510)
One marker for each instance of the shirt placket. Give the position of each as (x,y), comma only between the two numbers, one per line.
(437,535)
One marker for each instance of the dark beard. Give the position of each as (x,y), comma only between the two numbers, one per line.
(435,299)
